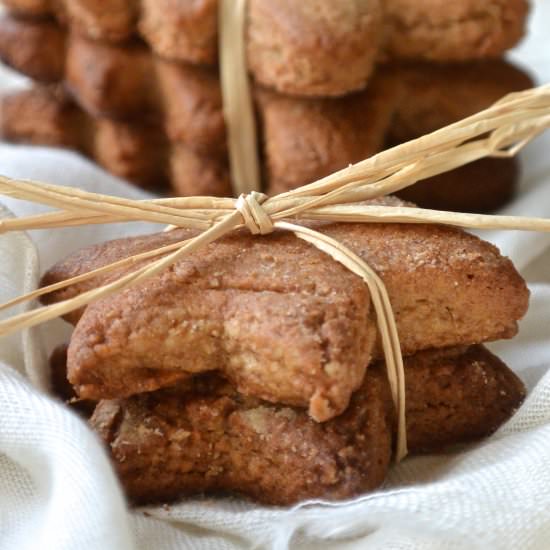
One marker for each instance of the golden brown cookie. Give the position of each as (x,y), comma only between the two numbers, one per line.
(314,47)
(311,47)
(305,140)
(206,437)
(297,326)
(439,30)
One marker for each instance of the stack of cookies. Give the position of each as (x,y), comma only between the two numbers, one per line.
(134,85)
(254,366)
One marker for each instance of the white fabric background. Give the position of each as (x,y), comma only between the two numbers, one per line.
(57,489)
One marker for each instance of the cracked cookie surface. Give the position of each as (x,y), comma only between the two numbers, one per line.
(206,437)
(288,323)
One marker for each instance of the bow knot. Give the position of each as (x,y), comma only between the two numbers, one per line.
(255,218)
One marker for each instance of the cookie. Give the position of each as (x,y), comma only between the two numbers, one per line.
(298,327)
(438,30)
(205,437)
(314,47)
(166,445)
(308,48)
(305,140)
(138,152)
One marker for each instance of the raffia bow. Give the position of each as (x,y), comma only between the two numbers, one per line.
(501,130)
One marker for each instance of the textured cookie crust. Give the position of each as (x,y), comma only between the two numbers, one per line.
(299,335)
(281,336)
(457,395)
(314,47)
(439,30)
(205,437)
(166,445)
(304,139)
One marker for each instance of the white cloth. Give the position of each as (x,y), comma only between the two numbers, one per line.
(58,491)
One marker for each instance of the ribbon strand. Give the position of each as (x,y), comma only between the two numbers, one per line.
(238,107)
(500,130)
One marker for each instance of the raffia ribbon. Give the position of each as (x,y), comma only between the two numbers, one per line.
(238,108)
(245,178)
(257,221)
(501,130)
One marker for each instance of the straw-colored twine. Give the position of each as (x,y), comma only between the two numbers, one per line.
(500,130)
(238,108)
(245,176)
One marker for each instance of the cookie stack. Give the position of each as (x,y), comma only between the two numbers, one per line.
(135,86)
(254,365)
